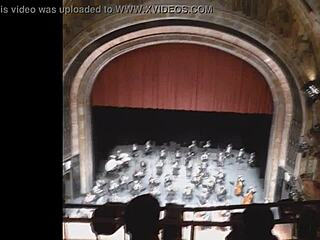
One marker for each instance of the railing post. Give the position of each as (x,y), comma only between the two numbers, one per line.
(173,220)
(192,233)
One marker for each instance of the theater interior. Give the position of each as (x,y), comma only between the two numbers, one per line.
(209,113)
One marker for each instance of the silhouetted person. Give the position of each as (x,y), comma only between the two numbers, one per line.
(142,217)
(237,226)
(307,224)
(258,223)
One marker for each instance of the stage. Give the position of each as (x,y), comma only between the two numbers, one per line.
(231,169)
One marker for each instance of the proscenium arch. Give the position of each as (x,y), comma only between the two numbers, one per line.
(265,64)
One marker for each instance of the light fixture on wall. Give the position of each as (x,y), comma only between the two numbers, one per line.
(66,166)
(287,177)
(312,91)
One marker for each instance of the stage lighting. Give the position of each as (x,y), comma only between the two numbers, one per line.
(312,91)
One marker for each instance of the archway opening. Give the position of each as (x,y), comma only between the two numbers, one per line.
(175,93)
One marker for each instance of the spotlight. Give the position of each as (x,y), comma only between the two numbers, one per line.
(312,91)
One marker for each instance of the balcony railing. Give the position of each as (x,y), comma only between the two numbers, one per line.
(285,212)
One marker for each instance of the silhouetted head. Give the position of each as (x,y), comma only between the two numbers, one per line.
(258,220)
(236,220)
(142,217)
(307,223)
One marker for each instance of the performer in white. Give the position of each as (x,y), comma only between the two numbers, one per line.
(178,155)
(221,193)
(204,157)
(163,154)
(241,155)
(175,169)
(188,192)
(207,145)
(159,167)
(134,150)
(228,150)
(192,147)
(252,159)
(148,147)
(221,159)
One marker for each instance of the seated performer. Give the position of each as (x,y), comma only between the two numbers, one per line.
(125,160)
(143,165)
(204,157)
(148,148)
(124,182)
(252,160)
(159,167)
(188,192)
(221,192)
(188,159)
(241,155)
(171,193)
(192,147)
(189,168)
(89,198)
(207,145)
(238,188)
(220,176)
(101,182)
(178,154)
(221,158)
(163,154)
(209,184)
(249,196)
(134,150)
(153,182)
(113,187)
(204,195)
(196,180)
(175,169)
(137,188)
(228,151)
(167,180)
(203,166)
(97,190)
(139,174)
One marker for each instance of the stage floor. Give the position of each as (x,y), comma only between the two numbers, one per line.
(232,170)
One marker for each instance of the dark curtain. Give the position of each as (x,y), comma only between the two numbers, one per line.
(113,126)
(182,77)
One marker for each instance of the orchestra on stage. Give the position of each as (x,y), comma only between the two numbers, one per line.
(198,181)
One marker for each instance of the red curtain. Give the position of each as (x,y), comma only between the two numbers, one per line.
(182,77)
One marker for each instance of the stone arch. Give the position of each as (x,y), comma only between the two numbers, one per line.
(267,64)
